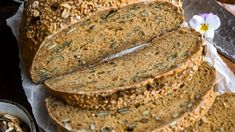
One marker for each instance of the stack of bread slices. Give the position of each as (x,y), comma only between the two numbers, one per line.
(163,85)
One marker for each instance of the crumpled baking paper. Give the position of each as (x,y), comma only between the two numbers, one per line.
(36,93)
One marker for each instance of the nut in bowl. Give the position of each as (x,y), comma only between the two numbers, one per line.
(14,117)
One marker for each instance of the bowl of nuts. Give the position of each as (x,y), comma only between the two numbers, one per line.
(15,118)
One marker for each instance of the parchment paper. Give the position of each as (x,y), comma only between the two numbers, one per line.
(36,93)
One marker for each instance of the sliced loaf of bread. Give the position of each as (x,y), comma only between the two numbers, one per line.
(172,112)
(220,118)
(60,36)
(135,78)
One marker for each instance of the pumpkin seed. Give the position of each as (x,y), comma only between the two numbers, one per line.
(198,96)
(92,27)
(126,17)
(145,113)
(82,130)
(158,18)
(107,129)
(112,63)
(52,46)
(109,15)
(57,48)
(71,30)
(173,123)
(158,118)
(175,115)
(56,57)
(158,7)
(43,74)
(141,33)
(123,110)
(131,127)
(86,22)
(135,7)
(144,120)
(172,56)
(217,130)
(151,85)
(145,76)
(136,29)
(184,105)
(190,105)
(144,13)
(65,120)
(113,45)
(102,113)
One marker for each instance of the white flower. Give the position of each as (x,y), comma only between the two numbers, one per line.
(206,24)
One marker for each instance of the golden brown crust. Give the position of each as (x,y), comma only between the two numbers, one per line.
(42,19)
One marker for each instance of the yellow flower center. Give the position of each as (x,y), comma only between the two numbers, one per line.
(204,27)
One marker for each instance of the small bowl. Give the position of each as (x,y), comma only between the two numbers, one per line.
(15,109)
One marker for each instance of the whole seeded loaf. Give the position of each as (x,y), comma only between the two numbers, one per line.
(138,77)
(172,112)
(220,118)
(60,36)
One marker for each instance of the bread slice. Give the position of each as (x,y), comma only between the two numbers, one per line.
(134,78)
(220,118)
(169,113)
(60,36)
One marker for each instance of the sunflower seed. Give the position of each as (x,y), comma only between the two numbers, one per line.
(65,13)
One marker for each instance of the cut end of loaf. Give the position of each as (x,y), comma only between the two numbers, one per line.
(152,61)
(106,32)
(185,104)
(113,84)
(220,117)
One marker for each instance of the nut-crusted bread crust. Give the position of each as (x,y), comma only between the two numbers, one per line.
(169,113)
(74,33)
(138,77)
(220,117)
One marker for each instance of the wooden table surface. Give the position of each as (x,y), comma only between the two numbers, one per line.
(10,78)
